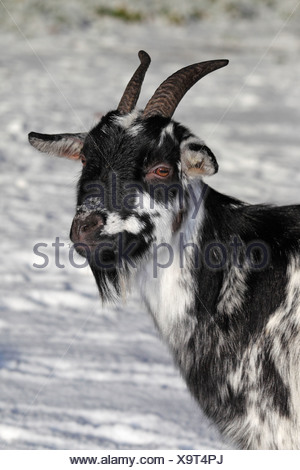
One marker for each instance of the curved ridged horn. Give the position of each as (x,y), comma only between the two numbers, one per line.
(168,95)
(132,91)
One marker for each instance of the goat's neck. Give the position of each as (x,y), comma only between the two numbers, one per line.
(169,292)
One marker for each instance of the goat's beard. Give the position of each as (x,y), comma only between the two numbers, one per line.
(114,273)
(112,284)
(111,280)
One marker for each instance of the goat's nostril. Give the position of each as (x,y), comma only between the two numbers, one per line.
(87,227)
(84,228)
(91,223)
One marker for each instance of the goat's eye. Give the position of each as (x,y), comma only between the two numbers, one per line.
(159,172)
(83,160)
(162,171)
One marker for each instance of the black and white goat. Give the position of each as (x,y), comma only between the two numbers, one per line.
(220,277)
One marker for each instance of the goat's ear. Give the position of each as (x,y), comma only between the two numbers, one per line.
(62,145)
(197,159)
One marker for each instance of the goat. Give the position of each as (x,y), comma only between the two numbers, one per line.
(220,277)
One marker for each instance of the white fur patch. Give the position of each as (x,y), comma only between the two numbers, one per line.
(168,130)
(115,224)
(127,120)
(171,293)
(135,130)
(233,290)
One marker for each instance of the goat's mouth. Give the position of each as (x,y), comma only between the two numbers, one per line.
(105,251)
(86,248)
(120,251)
(101,255)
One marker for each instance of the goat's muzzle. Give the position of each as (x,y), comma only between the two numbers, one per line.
(85,231)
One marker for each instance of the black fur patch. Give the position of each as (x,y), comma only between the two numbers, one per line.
(275,389)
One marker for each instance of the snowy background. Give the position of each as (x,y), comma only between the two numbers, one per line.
(75,374)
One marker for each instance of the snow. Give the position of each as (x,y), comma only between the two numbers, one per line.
(76,374)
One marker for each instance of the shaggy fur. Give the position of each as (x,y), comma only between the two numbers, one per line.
(220,278)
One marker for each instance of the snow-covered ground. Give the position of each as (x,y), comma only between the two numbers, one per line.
(75,374)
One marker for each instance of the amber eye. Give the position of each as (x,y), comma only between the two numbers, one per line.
(83,160)
(162,171)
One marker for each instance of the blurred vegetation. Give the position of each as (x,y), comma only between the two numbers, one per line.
(55,15)
(120,12)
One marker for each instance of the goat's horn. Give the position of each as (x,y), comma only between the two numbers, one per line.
(168,95)
(132,91)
